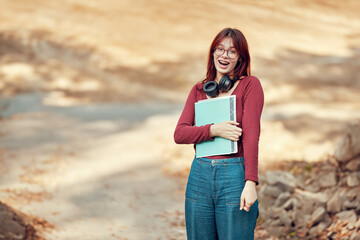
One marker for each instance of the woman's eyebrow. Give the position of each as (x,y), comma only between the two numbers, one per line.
(223,46)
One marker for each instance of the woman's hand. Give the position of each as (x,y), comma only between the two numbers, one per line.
(228,130)
(248,195)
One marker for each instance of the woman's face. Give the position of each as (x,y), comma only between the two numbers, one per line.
(225,58)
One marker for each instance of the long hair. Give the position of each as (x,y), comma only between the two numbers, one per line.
(242,68)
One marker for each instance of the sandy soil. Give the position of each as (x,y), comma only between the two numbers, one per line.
(85,83)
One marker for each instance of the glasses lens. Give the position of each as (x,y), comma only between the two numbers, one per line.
(219,51)
(232,54)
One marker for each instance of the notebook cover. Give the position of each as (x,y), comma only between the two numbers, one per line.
(215,110)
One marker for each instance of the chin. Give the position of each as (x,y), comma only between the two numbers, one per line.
(223,71)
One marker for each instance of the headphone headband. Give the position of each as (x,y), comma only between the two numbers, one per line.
(212,89)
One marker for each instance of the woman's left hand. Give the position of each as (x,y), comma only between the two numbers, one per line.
(248,195)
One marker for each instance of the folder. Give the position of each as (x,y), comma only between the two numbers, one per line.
(215,110)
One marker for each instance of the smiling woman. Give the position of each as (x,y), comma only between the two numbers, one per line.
(221,199)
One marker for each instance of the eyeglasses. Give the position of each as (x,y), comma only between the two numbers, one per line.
(230,53)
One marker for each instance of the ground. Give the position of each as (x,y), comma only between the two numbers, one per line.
(91,93)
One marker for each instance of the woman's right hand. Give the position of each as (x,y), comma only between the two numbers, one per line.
(228,130)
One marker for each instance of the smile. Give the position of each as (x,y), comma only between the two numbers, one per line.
(223,64)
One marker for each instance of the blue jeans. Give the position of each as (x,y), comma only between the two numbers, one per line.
(212,205)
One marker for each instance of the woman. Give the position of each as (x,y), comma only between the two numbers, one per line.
(221,199)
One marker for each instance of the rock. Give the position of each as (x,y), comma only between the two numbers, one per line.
(349,146)
(349,216)
(357,224)
(355,236)
(284,218)
(332,235)
(318,215)
(327,167)
(320,227)
(353,179)
(292,215)
(300,219)
(319,198)
(327,179)
(275,230)
(12,226)
(291,204)
(275,213)
(343,181)
(334,204)
(350,205)
(283,180)
(276,222)
(353,165)
(307,204)
(272,191)
(353,193)
(312,186)
(283,197)
(350,226)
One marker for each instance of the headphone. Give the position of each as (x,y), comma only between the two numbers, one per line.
(212,88)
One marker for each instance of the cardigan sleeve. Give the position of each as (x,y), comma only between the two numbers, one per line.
(252,109)
(185,131)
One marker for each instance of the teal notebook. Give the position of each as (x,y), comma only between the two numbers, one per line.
(215,110)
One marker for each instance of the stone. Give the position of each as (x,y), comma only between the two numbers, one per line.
(300,219)
(319,198)
(312,186)
(307,204)
(285,181)
(275,230)
(348,216)
(292,215)
(276,222)
(350,205)
(13,225)
(353,179)
(289,204)
(272,191)
(275,213)
(357,224)
(353,165)
(355,236)
(349,145)
(318,215)
(332,235)
(284,218)
(353,193)
(343,181)
(283,197)
(350,226)
(320,227)
(327,179)
(334,204)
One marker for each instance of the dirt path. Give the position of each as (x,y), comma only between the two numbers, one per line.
(78,164)
(91,171)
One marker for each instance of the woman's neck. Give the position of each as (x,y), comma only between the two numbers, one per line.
(220,75)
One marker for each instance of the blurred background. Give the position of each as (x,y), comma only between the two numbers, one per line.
(91,92)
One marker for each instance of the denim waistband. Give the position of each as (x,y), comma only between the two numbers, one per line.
(221,161)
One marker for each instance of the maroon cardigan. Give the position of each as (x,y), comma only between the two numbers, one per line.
(249,105)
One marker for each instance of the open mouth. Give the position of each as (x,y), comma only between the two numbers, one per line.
(223,63)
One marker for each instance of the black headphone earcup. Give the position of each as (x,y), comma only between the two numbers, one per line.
(225,84)
(211,88)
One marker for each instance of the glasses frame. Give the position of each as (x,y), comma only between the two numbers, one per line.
(227,53)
